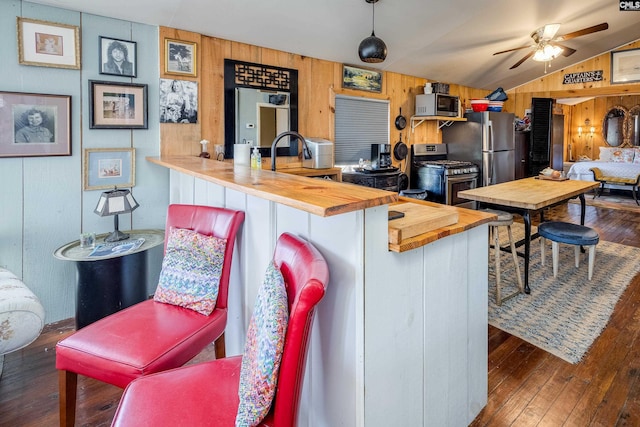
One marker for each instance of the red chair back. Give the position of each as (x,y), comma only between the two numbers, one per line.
(210,221)
(306,275)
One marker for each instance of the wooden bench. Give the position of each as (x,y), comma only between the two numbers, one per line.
(605,179)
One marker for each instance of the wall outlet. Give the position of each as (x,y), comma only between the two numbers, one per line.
(250,125)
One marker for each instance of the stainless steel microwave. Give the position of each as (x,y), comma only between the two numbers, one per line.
(437,104)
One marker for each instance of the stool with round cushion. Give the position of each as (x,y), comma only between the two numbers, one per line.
(505,219)
(570,234)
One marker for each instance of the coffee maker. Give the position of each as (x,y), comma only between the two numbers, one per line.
(380,156)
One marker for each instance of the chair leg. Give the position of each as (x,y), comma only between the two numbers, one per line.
(542,250)
(577,252)
(514,254)
(496,247)
(592,259)
(67,387)
(555,251)
(220,348)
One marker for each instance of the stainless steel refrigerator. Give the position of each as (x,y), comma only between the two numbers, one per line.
(486,139)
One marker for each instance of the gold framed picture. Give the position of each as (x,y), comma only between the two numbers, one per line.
(109,167)
(48,44)
(180,57)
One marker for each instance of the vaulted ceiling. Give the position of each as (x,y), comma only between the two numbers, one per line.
(450,41)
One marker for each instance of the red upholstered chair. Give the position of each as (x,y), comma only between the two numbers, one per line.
(150,336)
(206,394)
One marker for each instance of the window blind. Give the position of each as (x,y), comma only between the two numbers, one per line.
(359,122)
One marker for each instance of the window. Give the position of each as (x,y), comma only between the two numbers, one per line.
(360,122)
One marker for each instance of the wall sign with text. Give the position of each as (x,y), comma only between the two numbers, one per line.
(583,77)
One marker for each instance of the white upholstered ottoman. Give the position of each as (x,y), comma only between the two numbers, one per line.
(21,315)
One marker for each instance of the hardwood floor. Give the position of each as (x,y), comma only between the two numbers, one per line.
(527,386)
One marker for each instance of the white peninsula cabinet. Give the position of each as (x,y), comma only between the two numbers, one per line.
(400,339)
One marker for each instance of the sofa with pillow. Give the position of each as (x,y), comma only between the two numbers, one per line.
(613,161)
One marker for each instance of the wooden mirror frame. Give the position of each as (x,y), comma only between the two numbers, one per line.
(623,125)
(257,76)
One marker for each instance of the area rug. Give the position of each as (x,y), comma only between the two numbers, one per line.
(562,315)
(620,199)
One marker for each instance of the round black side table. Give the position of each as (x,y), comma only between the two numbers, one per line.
(109,283)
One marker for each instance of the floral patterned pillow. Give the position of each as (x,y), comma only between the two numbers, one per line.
(622,155)
(191,270)
(263,349)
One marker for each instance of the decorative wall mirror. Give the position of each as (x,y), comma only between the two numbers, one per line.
(614,125)
(260,102)
(634,125)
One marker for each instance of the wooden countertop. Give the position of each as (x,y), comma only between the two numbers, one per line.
(467,219)
(317,196)
(529,193)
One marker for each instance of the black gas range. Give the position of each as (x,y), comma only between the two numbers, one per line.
(440,177)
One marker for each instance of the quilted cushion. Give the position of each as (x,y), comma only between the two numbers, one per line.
(622,155)
(263,349)
(191,270)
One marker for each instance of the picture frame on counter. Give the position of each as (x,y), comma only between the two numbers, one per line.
(180,57)
(118,57)
(359,78)
(106,168)
(625,66)
(48,44)
(33,124)
(114,105)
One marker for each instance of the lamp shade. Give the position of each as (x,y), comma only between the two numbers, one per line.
(115,202)
(372,49)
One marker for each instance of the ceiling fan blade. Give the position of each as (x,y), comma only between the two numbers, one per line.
(583,32)
(511,50)
(517,64)
(566,50)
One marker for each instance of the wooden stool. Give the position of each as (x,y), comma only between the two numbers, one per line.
(571,234)
(505,219)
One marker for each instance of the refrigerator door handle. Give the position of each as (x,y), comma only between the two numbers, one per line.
(490,174)
(490,135)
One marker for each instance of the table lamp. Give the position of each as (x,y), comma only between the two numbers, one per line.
(115,202)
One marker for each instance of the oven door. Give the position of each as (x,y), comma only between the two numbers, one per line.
(457,183)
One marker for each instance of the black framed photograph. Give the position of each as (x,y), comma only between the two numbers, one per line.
(33,124)
(625,66)
(180,57)
(48,44)
(109,167)
(117,105)
(360,78)
(118,57)
(178,101)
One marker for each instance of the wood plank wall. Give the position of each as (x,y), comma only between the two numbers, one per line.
(605,95)
(319,82)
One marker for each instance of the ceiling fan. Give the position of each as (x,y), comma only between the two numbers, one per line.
(546,44)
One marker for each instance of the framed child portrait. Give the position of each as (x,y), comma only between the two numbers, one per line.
(48,44)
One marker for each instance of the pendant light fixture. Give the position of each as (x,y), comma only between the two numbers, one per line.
(372,49)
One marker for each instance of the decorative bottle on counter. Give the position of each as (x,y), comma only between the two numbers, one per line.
(256,159)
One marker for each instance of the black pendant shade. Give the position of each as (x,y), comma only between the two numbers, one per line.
(372,49)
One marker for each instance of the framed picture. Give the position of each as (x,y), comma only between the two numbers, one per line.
(33,124)
(361,78)
(625,66)
(117,57)
(180,57)
(109,167)
(178,101)
(47,44)
(117,105)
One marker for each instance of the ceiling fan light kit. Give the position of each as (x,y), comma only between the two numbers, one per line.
(372,49)
(546,45)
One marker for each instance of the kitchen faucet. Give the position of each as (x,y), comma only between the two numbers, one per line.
(305,149)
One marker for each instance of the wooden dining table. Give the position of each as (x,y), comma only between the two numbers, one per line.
(528,196)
